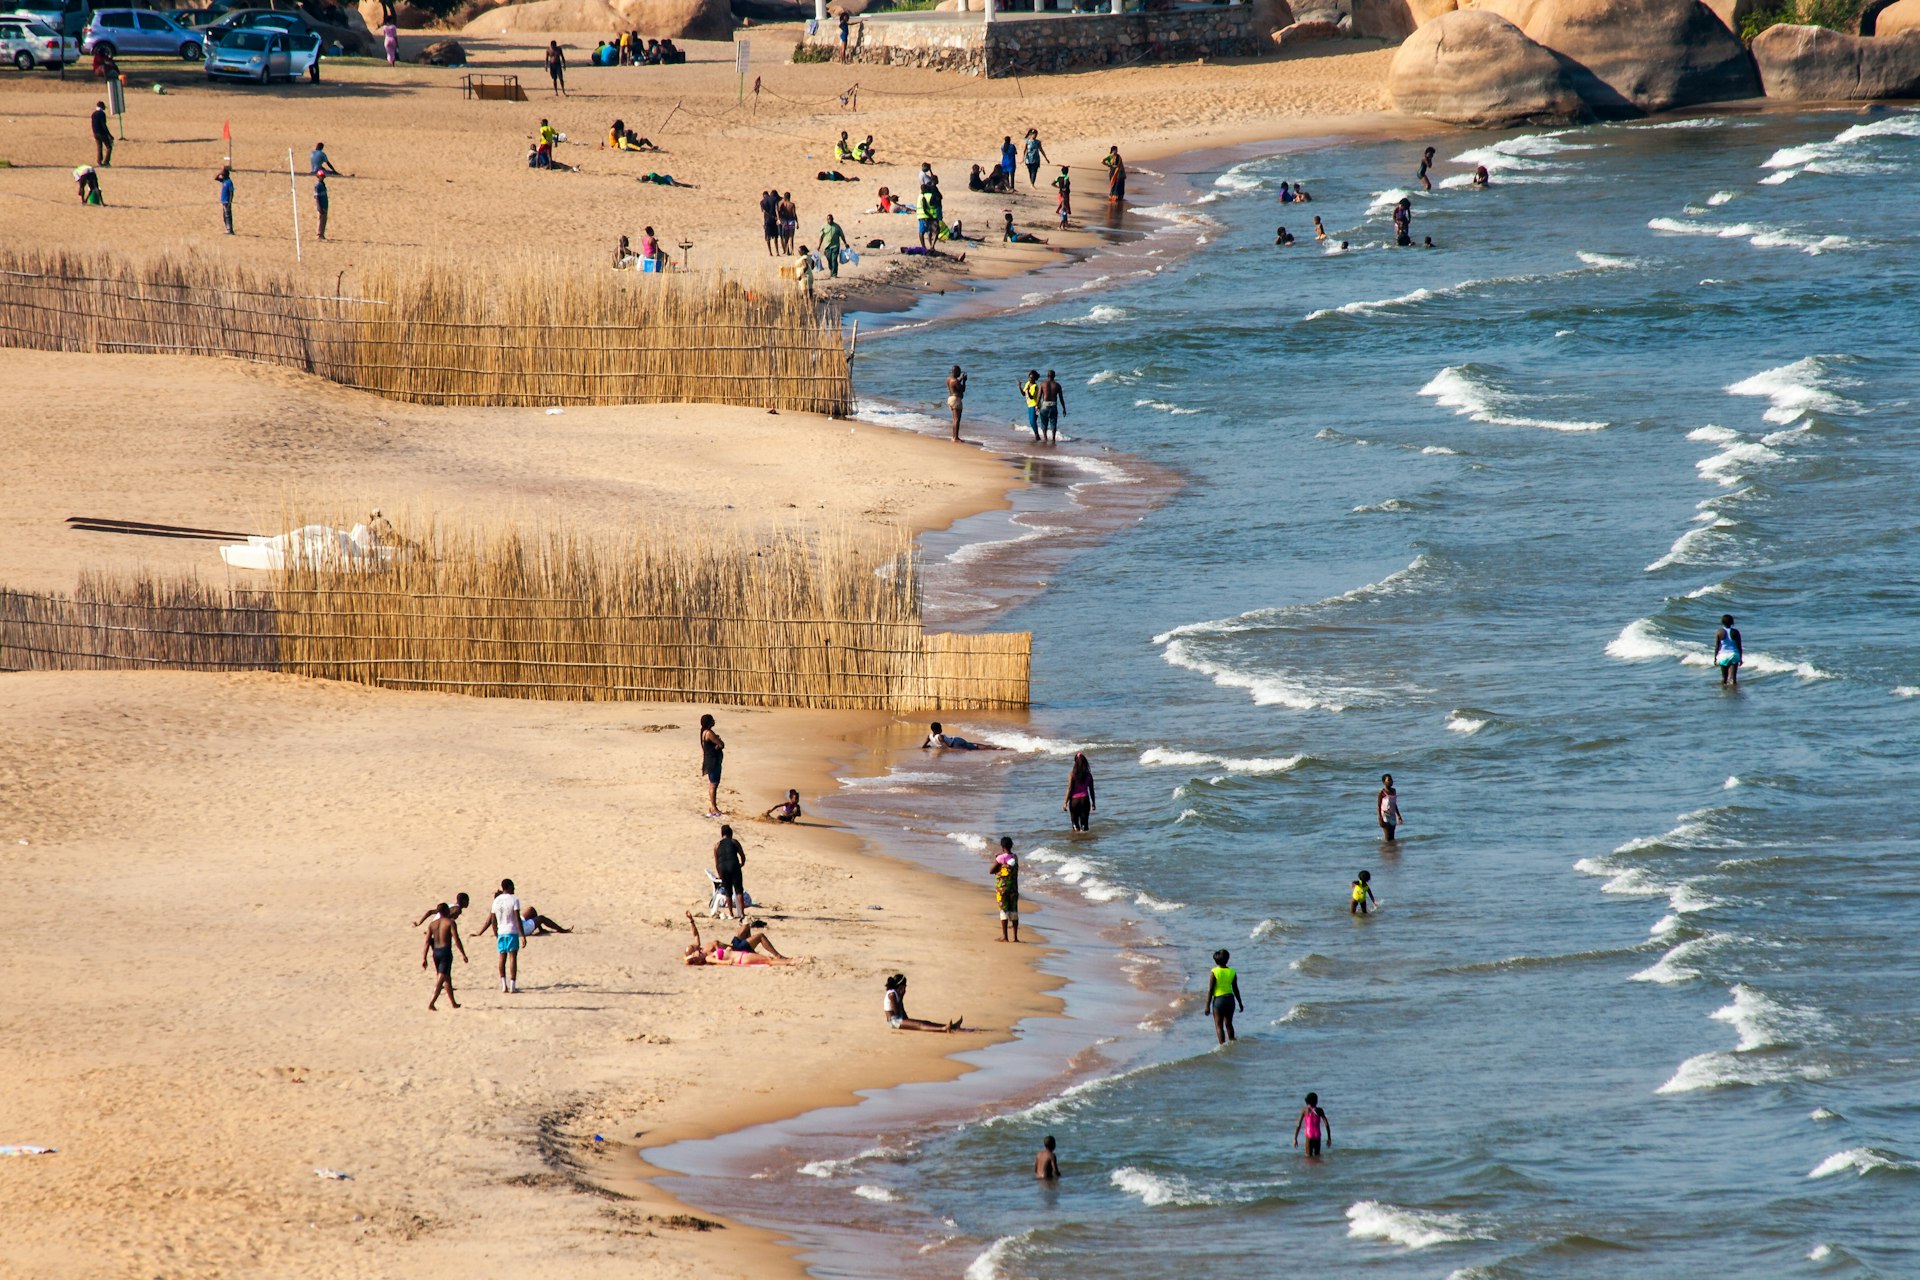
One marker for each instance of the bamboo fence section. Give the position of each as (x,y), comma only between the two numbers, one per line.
(527,335)
(793,623)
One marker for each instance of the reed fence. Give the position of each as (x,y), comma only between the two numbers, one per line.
(527,334)
(795,623)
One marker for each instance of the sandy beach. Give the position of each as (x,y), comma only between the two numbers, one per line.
(224,993)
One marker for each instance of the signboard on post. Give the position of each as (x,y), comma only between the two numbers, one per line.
(117,103)
(740,51)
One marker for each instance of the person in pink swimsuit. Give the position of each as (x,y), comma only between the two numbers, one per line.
(1313,1120)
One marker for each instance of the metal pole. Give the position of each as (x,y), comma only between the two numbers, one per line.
(293,186)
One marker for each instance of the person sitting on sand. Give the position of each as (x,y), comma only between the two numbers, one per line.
(993,181)
(698,954)
(541,159)
(889,203)
(460,903)
(863,154)
(938,738)
(532,923)
(664,180)
(1017,237)
(787,810)
(896,1007)
(622,138)
(623,254)
(843,150)
(1282,236)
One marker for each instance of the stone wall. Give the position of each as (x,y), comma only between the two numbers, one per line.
(1034,46)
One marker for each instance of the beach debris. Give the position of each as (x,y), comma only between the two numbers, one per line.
(318,545)
(334,1174)
(25,1148)
(555,412)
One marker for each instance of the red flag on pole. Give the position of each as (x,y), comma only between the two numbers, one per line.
(226,130)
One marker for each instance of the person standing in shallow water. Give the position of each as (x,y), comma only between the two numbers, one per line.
(1313,1119)
(1223,993)
(1079,803)
(1728,653)
(1426,163)
(956,396)
(1387,807)
(1046,1165)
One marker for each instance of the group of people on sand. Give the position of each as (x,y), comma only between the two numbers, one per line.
(627,49)
(511,923)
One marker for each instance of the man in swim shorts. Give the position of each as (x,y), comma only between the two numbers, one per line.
(504,922)
(1053,403)
(443,935)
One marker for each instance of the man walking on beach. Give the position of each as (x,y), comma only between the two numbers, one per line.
(102,137)
(1030,392)
(504,923)
(557,68)
(730,865)
(770,221)
(956,396)
(832,239)
(1053,403)
(443,935)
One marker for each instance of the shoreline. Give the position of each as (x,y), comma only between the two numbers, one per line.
(713,1171)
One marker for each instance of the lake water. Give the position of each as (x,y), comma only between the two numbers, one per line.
(1641,996)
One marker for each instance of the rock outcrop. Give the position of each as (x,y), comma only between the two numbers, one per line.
(1731,12)
(654,19)
(1902,15)
(442,53)
(1629,57)
(1476,68)
(1396,19)
(1813,64)
(1270,16)
(407,17)
(1292,37)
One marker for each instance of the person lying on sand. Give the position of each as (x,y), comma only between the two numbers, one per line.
(938,738)
(753,937)
(787,810)
(665,180)
(1017,237)
(460,903)
(721,953)
(533,923)
(896,1007)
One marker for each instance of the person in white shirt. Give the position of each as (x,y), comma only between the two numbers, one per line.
(506,923)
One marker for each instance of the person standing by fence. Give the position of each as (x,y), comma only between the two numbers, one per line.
(320,201)
(557,68)
(102,137)
(225,179)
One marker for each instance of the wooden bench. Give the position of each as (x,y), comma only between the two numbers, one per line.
(492,87)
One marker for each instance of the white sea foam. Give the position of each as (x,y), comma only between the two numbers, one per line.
(1268,928)
(1152,903)
(1719,198)
(1639,641)
(1114,375)
(1187,813)
(880,1194)
(1033,744)
(968,840)
(1165,406)
(1675,966)
(1714,434)
(1761,1022)
(1719,1070)
(1729,467)
(1377,305)
(1458,388)
(1820,1253)
(1396,583)
(1823,1114)
(1460,722)
(1862,1161)
(1385,200)
(1385,508)
(1686,548)
(1413,1228)
(1235,179)
(1101,314)
(1607,261)
(1440,451)
(1163,757)
(992,1264)
(898,780)
(1906,691)
(1760,237)
(828,1168)
(1155,1189)
(1268,689)
(1792,391)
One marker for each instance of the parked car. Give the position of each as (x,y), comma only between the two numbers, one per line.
(261,54)
(123,31)
(68,17)
(28,42)
(322,14)
(335,40)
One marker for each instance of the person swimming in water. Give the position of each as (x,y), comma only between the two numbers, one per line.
(938,739)
(1319,228)
(1046,1165)
(1728,652)
(1481,178)
(1223,993)
(1362,894)
(1313,1117)
(1282,236)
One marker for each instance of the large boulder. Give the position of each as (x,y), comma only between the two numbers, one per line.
(1813,64)
(1732,13)
(656,19)
(1473,67)
(442,53)
(407,17)
(1629,57)
(1902,15)
(1292,37)
(1396,19)
(1270,16)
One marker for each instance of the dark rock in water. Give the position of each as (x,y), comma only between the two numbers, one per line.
(1812,64)
(1476,68)
(443,53)
(1630,57)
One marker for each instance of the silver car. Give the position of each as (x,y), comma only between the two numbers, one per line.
(124,31)
(261,54)
(28,42)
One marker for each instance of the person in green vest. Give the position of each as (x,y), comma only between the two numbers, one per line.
(1223,993)
(832,240)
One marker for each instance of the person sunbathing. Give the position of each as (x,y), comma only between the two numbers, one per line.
(753,937)
(832,175)
(664,180)
(697,954)
(1018,237)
